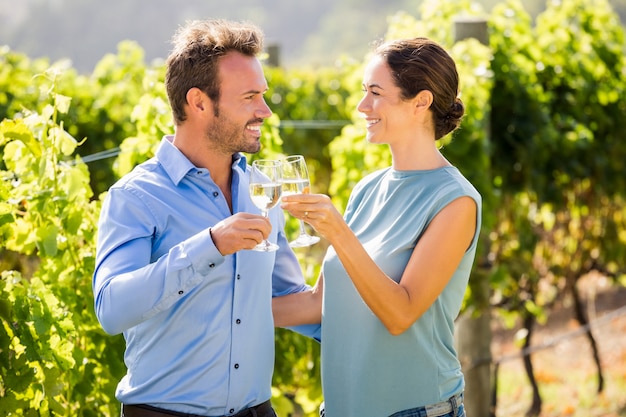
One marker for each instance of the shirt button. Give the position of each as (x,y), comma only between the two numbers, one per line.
(238,321)
(181,292)
(232,410)
(211,265)
(236,366)
(238,276)
(215,193)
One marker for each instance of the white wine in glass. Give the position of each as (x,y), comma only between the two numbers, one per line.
(265,191)
(295,179)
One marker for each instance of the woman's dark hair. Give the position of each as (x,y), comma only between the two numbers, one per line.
(422,64)
(197,48)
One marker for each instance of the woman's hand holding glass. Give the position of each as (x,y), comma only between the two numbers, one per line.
(295,180)
(319,212)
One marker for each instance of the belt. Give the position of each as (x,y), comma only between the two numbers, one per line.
(143,410)
(433,410)
(444,407)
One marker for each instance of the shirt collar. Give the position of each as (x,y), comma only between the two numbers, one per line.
(174,162)
(240,160)
(177,165)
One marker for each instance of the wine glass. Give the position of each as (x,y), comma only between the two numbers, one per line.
(265,190)
(295,179)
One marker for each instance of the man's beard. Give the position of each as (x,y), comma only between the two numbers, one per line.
(229,137)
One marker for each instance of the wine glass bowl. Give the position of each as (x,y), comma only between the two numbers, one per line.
(295,180)
(265,192)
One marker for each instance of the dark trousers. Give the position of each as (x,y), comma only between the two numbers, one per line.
(141,410)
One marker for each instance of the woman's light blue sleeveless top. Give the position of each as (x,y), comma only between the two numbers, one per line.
(367,372)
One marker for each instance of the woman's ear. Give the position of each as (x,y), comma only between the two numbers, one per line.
(423,100)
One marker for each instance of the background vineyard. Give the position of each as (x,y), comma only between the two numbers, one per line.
(542,141)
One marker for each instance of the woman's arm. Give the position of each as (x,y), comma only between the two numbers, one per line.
(432,264)
(299,308)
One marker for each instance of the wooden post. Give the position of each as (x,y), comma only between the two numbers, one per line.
(471,27)
(473,342)
(473,336)
(273,55)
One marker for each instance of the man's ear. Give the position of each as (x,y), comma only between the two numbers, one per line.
(196,100)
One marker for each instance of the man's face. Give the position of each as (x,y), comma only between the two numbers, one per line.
(239,114)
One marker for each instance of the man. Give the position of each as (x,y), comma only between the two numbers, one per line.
(173,270)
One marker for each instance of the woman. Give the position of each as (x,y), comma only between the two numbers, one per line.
(394,278)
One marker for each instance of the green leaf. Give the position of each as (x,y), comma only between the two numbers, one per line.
(63,141)
(74,183)
(47,240)
(62,103)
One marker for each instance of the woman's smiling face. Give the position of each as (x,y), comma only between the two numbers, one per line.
(388,117)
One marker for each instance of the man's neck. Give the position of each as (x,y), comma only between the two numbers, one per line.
(218,163)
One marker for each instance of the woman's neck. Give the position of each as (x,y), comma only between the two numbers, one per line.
(417,156)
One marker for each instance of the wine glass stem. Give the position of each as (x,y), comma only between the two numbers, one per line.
(265,243)
(302,230)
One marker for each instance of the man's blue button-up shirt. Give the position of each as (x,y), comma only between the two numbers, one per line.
(198,325)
